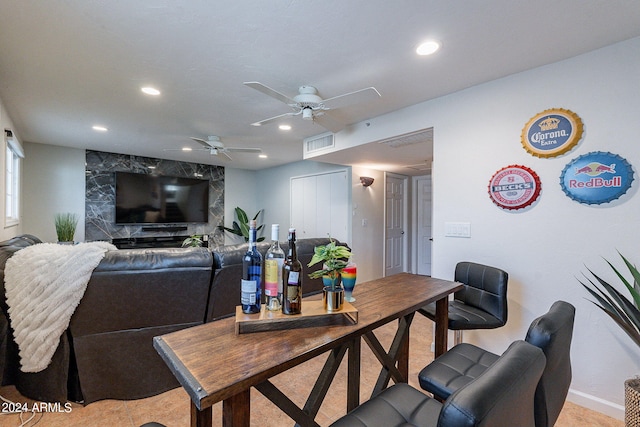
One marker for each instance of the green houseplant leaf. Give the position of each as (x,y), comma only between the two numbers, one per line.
(241,225)
(622,310)
(333,257)
(193,241)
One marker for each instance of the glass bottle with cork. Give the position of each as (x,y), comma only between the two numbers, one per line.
(274,259)
(251,286)
(292,279)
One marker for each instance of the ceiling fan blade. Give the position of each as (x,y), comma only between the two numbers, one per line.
(359,96)
(201,141)
(242,150)
(328,122)
(226,154)
(269,120)
(270,92)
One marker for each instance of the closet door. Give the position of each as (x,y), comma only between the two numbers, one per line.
(320,205)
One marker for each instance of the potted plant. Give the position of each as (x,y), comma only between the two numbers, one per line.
(241,226)
(66,224)
(334,259)
(194,241)
(626,313)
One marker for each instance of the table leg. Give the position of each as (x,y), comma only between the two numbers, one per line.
(442,326)
(236,410)
(200,418)
(403,354)
(353,375)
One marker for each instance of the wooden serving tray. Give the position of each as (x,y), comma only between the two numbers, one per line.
(313,315)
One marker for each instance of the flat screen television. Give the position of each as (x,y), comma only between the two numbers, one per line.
(158,199)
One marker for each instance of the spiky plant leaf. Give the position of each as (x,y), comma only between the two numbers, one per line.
(618,307)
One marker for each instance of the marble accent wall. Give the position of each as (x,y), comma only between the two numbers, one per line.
(100,195)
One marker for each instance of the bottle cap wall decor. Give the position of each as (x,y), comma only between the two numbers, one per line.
(596,178)
(514,187)
(552,132)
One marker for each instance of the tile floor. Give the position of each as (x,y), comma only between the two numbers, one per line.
(172,408)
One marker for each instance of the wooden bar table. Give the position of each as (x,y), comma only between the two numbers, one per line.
(214,364)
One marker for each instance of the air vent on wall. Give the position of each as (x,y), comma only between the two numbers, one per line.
(318,142)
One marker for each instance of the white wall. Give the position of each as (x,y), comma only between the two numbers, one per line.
(6,232)
(477,132)
(239,191)
(367,239)
(53,182)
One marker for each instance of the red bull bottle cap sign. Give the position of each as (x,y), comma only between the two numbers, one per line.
(597,177)
(514,187)
(552,132)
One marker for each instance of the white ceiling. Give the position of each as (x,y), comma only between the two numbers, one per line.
(67,65)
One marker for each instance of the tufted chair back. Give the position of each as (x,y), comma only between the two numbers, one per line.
(552,332)
(485,288)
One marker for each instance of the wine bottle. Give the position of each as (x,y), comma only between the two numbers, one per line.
(292,279)
(251,288)
(273,262)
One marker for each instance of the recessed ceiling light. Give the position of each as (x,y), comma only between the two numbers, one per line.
(150,91)
(100,128)
(262,156)
(428,48)
(284,127)
(187,149)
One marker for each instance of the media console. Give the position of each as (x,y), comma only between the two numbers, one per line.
(150,242)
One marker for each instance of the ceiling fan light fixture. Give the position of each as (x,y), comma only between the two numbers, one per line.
(307,113)
(429,47)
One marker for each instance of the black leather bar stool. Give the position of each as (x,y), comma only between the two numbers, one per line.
(552,333)
(482,304)
(502,396)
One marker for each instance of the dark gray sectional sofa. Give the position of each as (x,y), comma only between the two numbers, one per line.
(132,296)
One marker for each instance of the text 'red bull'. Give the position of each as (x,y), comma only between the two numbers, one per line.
(616,181)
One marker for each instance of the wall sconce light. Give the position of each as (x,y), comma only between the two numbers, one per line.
(366,181)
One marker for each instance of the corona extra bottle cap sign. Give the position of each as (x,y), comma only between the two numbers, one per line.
(552,133)
(514,187)
(596,178)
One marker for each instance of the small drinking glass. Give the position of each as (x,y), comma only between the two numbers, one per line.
(349,280)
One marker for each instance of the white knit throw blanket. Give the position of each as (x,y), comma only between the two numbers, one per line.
(44,285)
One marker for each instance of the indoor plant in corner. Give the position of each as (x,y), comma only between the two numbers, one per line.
(334,259)
(66,224)
(626,313)
(241,226)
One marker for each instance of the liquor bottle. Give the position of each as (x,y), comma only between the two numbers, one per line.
(292,279)
(251,288)
(273,262)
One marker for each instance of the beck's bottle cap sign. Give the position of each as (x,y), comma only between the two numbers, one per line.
(514,187)
(552,132)
(597,177)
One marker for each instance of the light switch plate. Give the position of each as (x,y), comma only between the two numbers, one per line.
(457,229)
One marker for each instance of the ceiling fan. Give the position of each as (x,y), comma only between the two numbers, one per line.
(214,146)
(310,106)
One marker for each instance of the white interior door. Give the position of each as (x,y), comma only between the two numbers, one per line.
(423,232)
(395,224)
